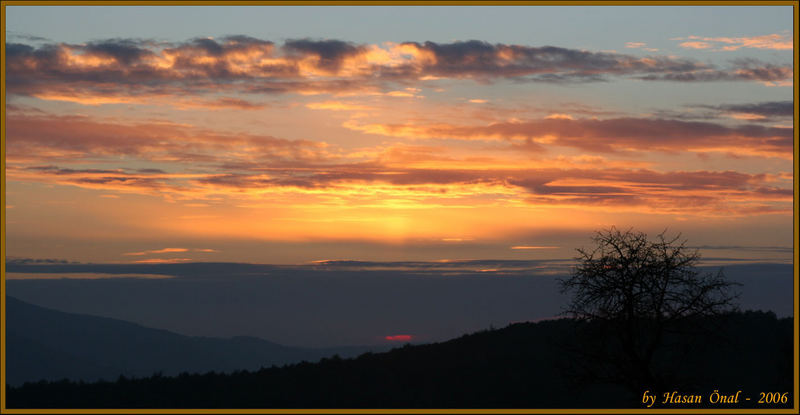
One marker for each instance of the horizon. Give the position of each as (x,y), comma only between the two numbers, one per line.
(34,265)
(338,304)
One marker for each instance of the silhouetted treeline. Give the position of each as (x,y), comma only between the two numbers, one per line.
(525,365)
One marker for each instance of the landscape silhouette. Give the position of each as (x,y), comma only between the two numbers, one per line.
(524,365)
(642,319)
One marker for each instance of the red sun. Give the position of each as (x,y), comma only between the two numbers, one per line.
(399,337)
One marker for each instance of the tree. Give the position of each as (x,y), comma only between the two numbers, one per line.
(632,292)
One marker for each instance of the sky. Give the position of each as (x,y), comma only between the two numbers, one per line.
(288,135)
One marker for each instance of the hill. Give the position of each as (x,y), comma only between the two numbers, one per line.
(524,365)
(52,345)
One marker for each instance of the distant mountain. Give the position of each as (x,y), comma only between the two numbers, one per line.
(53,345)
(525,365)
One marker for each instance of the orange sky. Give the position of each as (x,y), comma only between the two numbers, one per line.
(211,147)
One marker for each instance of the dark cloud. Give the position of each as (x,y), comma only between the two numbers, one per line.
(225,46)
(25,36)
(217,165)
(330,52)
(80,137)
(202,62)
(132,67)
(740,70)
(61,171)
(538,182)
(673,191)
(572,78)
(786,249)
(124,51)
(107,179)
(137,67)
(613,134)
(768,192)
(133,182)
(481,59)
(13,261)
(772,109)
(17,50)
(329,175)
(209,46)
(753,69)
(235,103)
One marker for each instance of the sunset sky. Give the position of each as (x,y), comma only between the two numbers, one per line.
(295,134)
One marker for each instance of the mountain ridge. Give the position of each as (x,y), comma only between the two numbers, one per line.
(46,344)
(524,365)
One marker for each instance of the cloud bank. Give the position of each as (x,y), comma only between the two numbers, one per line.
(127,70)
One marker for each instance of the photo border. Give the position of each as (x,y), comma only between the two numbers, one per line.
(333,3)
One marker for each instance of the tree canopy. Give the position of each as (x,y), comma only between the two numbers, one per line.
(636,290)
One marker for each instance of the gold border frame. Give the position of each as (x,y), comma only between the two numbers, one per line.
(3,409)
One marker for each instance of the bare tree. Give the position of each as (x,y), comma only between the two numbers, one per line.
(637,290)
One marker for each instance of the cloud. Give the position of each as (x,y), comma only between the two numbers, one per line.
(607,135)
(208,165)
(773,41)
(556,116)
(336,106)
(136,71)
(157,251)
(12,260)
(784,249)
(530,247)
(12,34)
(78,276)
(741,70)
(135,67)
(407,93)
(101,179)
(124,51)
(484,61)
(761,110)
(639,45)
(696,45)
(34,143)
(685,192)
(329,53)
(162,261)
(46,137)
(216,104)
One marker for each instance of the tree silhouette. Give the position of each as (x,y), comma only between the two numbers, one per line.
(630,293)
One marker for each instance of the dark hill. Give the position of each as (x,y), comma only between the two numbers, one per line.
(521,366)
(52,345)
